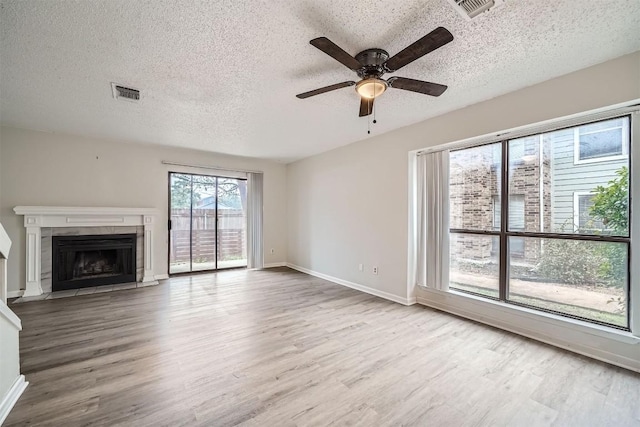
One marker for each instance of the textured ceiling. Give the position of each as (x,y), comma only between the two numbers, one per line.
(222,75)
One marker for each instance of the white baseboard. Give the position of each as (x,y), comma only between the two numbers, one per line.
(616,347)
(15,294)
(161,276)
(12,396)
(356,286)
(275,264)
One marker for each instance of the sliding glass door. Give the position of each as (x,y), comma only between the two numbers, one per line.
(207,228)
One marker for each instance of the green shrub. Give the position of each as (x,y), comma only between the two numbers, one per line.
(614,266)
(575,262)
(611,206)
(611,203)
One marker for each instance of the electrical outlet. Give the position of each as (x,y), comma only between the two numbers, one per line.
(375,270)
(273,251)
(360,267)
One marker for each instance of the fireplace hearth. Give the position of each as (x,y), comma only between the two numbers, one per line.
(93,260)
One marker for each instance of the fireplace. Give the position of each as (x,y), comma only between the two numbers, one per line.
(95,260)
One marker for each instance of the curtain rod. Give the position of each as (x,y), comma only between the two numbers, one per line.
(219,168)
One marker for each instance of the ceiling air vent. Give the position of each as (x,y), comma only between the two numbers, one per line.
(125,93)
(469,9)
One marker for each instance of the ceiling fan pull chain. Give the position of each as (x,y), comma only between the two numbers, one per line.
(374,107)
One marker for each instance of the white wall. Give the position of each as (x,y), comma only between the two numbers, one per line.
(9,353)
(39,168)
(349,205)
(0,171)
(12,384)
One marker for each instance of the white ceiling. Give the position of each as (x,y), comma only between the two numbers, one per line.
(222,75)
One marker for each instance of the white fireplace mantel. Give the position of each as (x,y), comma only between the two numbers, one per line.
(36,217)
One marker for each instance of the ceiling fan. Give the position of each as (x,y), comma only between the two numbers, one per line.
(371,64)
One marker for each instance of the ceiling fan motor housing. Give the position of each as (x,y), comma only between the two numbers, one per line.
(372,61)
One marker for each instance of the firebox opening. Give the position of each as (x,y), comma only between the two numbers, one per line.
(90,264)
(82,261)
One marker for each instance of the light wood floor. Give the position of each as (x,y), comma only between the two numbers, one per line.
(280,348)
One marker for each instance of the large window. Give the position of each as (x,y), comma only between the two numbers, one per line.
(530,225)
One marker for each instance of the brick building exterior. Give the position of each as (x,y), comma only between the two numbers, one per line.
(474,191)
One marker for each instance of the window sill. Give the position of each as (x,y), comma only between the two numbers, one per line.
(601,159)
(544,317)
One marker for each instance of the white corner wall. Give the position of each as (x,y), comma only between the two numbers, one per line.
(349,205)
(0,173)
(38,168)
(12,384)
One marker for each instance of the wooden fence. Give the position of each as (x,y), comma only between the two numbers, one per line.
(231,243)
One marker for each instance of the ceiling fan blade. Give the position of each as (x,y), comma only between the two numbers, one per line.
(432,41)
(366,106)
(428,88)
(324,89)
(336,52)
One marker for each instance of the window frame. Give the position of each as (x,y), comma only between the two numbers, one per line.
(576,207)
(494,203)
(504,233)
(625,142)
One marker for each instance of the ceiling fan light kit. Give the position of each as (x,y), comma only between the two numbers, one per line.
(371,64)
(371,87)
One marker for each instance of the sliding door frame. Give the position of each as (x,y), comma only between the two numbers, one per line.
(169,225)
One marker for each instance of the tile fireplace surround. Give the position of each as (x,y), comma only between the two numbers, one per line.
(42,222)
